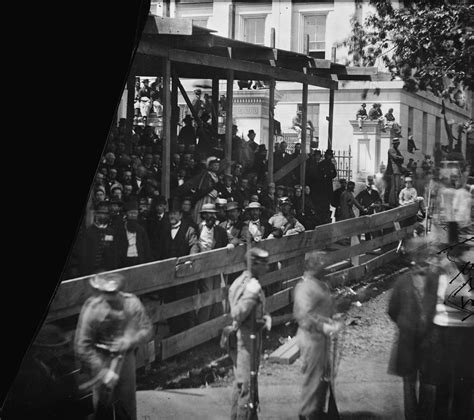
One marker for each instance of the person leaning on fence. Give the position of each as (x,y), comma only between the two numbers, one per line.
(246,295)
(112,324)
(314,311)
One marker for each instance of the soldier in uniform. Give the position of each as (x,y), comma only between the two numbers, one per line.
(246,295)
(111,326)
(314,310)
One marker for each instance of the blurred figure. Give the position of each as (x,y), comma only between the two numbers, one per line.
(314,310)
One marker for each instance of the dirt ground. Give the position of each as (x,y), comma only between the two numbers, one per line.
(369,332)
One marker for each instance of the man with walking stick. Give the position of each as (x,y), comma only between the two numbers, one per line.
(111,326)
(314,310)
(247,308)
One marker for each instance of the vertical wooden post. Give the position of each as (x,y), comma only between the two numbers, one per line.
(228,119)
(130,105)
(174,114)
(306,45)
(232,20)
(331,117)
(166,141)
(272,37)
(271,129)
(304,123)
(215,103)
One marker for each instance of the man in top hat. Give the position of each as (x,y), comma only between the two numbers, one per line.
(133,242)
(394,172)
(187,134)
(210,236)
(97,247)
(245,297)
(234,224)
(111,326)
(257,226)
(314,310)
(252,143)
(284,223)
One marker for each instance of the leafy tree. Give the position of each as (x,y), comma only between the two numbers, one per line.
(428,44)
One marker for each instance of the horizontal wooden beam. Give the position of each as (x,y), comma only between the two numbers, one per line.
(157,25)
(263,71)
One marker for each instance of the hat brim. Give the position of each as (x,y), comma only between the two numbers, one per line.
(207,211)
(104,286)
(254,208)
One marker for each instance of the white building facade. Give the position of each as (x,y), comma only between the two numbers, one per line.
(327,23)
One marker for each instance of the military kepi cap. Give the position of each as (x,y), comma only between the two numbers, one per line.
(258,254)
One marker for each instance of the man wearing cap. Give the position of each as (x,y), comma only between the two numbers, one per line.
(187,134)
(210,236)
(133,243)
(258,228)
(112,324)
(394,171)
(97,247)
(314,310)
(245,296)
(283,222)
(197,103)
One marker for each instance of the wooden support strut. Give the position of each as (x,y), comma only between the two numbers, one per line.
(271,129)
(304,122)
(166,154)
(229,118)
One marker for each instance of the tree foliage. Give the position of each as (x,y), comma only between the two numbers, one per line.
(427,44)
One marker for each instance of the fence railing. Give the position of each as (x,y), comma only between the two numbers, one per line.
(287,255)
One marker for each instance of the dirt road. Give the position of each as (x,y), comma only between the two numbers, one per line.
(363,388)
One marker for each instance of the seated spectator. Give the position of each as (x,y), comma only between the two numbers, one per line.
(258,227)
(269,200)
(409,195)
(186,209)
(361,115)
(116,191)
(99,195)
(111,179)
(133,243)
(284,223)
(242,192)
(127,192)
(234,223)
(116,213)
(138,181)
(221,215)
(227,190)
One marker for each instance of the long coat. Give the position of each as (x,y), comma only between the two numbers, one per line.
(312,307)
(242,303)
(412,307)
(142,244)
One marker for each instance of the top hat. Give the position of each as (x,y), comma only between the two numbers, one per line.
(131,205)
(187,118)
(107,282)
(251,132)
(208,208)
(221,202)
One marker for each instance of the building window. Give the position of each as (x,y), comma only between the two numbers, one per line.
(314,26)
(254,30)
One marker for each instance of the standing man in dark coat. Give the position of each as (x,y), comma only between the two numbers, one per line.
(97,247)
(154,226)
(178,240)
(187,134)
(210,236)
(245,296)
(327,172)
(394,172)
(133,243)
(336,198)
(252,143)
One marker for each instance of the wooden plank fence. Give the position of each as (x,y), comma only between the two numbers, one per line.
(287,255)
